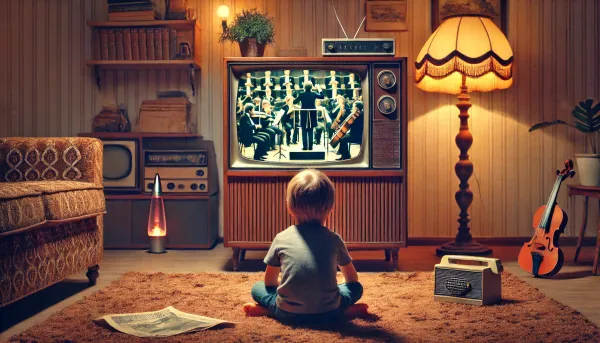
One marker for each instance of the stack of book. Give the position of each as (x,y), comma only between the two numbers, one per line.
(139,43)
(131,10)
(165,115)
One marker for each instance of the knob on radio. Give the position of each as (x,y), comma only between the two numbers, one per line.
(386,105)
(386,79)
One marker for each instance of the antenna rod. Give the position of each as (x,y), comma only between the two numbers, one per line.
(359,26)
(338,19)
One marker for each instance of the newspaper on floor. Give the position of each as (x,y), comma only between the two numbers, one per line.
(164,323)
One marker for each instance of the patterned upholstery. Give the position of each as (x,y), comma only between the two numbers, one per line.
(41,180)
(36,259)
(36,159)
(20,206)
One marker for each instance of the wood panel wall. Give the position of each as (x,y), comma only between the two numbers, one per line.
(46,90)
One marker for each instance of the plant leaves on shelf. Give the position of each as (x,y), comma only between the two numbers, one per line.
(587,118)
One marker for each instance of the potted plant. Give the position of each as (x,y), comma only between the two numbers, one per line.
(252,30)
(587,121)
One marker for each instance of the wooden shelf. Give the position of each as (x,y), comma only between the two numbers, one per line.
(154,64)
(176,24)
(138,135)
(181,196)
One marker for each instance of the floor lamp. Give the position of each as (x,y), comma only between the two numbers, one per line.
(466,53)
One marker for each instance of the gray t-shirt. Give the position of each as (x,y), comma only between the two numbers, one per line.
(308,255)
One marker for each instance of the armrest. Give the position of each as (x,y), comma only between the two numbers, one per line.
(51,158)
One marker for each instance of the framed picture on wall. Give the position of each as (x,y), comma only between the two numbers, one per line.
(493,8)
(385,15)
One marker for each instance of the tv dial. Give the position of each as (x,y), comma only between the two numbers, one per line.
(386,104)
(170,185)
(386,79)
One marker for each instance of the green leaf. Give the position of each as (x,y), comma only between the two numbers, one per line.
(586,119)
(547,124)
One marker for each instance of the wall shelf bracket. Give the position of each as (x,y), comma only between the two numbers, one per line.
(97,75)
(192,75)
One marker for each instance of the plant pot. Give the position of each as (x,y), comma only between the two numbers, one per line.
(249,47)
(588,167)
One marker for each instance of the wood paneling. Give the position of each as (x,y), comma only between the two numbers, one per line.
(357,207)
(46,90)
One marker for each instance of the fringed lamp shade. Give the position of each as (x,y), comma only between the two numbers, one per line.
(470,46)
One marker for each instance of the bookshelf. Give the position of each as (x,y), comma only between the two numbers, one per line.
(110,53)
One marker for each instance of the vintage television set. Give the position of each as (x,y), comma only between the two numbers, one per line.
(120,165)
(345,116)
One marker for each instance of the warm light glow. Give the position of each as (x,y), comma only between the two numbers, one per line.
(223,12)
(472,46)
(157,231)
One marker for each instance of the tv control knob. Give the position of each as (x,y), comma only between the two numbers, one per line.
(386,79)
(386,105)
(170,185)
(387,46)
(330,47)
(202,186)
(199,172)
(194,186)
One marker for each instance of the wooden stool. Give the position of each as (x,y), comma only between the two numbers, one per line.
(587,192)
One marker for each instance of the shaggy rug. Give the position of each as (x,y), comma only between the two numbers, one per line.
(402,306)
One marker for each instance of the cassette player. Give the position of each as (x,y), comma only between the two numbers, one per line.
(181,171)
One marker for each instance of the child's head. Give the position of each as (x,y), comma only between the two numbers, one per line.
(310,196)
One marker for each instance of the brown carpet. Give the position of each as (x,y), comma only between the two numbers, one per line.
(402,303)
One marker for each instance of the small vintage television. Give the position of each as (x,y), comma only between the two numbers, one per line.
(347,116)
(120,165)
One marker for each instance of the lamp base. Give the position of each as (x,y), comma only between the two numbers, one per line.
(470,248)
(157,244)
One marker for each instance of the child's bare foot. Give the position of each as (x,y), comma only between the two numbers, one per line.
(254,310)
(357,310)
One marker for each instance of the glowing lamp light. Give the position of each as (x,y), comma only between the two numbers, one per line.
(157,222)
(223,13)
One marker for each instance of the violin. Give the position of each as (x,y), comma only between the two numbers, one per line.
(541,256)
(344,127)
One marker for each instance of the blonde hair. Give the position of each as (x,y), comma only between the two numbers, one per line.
(310,196)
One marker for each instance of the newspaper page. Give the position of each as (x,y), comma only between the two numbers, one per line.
(164,323)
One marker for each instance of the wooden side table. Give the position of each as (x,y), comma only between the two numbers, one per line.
(587,192)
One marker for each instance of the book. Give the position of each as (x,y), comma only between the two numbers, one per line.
(142,44)
(104,44)
(158,44)
(97,45)
(127,44)
(135,51)
(119,44)
(173,44)
(150,44)
(112,51)
(165,44)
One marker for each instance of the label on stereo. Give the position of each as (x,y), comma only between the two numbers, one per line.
(198,173)
(175,158)
(178,186)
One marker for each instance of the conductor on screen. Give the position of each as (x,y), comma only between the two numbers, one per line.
(308,113)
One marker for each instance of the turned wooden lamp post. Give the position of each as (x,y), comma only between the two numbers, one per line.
(467,53)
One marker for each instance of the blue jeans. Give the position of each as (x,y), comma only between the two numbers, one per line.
(267,296)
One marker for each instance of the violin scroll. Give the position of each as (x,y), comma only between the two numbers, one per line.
(567,171)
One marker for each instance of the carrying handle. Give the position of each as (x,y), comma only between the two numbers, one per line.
(493,263)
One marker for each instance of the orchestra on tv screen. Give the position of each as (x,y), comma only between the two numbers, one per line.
(310,109)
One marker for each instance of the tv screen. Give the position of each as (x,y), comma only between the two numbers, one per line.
(299,116)
(118,161)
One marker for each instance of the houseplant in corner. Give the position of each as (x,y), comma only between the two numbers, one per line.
(587,121)
(252,30)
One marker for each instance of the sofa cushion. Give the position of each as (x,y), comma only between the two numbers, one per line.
(64,200)
(20,206)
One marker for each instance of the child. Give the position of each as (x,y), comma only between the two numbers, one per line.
(307,255)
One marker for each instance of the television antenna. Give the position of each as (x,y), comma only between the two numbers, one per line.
(342,26)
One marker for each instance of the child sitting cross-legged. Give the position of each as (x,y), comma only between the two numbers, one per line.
(307,255)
